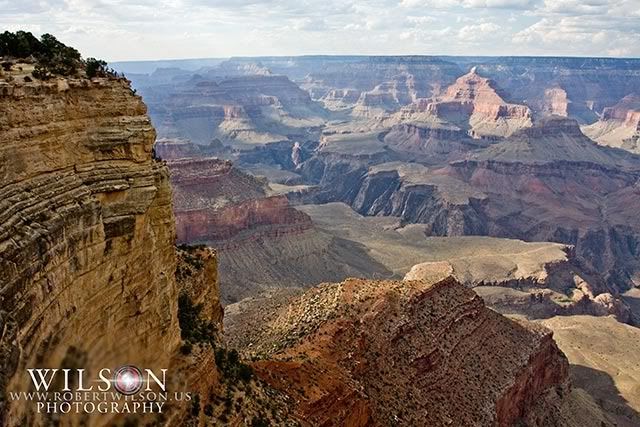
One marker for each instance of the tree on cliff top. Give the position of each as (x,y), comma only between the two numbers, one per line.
(51,56)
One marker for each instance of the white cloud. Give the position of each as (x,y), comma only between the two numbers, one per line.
(491,4)
(421,20)
(474,33)
(148,29)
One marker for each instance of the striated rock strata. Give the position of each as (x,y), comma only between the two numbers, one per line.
(86,234)
(488,114)
(90,275)
(215,202)
(408,353)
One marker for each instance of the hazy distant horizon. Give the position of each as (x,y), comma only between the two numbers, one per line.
(193,64)
(141,30)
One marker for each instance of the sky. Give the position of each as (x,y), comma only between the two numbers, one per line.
(167,29)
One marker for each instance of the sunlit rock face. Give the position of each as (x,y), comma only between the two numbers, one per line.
(407,353)
(87,254)
(619,125)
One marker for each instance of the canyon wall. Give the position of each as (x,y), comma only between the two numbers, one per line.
(215,202)
(86,234)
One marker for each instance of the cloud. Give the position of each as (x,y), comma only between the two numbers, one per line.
(421,20)
(151,29)
(309,24)
(581,35)
(501,4)
(474,33)
(480,4)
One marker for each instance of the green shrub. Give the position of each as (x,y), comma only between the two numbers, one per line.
(52,57)
(192,327)
(96,68)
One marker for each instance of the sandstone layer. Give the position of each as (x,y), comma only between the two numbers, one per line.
(474,98)
(545,183)
(91,276)
(219,205)
(84,207)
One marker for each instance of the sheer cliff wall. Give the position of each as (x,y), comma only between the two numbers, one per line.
(87,257)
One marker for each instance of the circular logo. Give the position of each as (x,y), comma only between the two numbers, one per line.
(127,379)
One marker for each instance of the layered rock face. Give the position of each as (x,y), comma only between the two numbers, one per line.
(91,277)
(619,125)
(545,183)
(86,234)
(378,353)
(474,98)
(589,84)
(386,82)
(251,109)
(215,202)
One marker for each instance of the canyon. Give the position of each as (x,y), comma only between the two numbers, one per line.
(517,176)
(327,240)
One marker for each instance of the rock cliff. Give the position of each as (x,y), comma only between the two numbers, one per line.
(408,353)
(474,98)
(248,109)
(86,233)
(217,204)
(91,278)
(548,182)
(619,126)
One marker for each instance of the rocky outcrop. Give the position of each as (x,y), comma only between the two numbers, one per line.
(517,188)
(591,84)
(619,125)
(86,233)
(209,182)
(378,353)
(197,275)
(215,202)
(270,215)
(556,288)
(91,277)
(387,97)
(475,99)
(340,99)
(439,143)
(171,149)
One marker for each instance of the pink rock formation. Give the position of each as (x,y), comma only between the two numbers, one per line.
(474,98)
(214,225)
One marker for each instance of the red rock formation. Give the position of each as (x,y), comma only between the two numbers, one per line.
(365,353)
(215,225)
(214,202)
